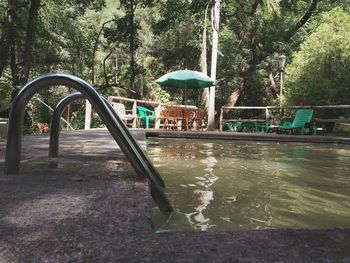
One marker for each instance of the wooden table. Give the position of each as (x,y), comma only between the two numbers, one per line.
(179,117)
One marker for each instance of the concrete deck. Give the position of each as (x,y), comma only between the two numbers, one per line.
(93,208)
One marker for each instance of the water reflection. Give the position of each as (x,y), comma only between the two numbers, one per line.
(197,218)
(230,185)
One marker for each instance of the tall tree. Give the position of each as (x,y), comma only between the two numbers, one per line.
(125,31)
(31,28)
(20,50)
(181,40)
(214,57)
(250,27)
(7,21)
(22,29)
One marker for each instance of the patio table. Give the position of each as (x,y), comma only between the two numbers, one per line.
(178,117)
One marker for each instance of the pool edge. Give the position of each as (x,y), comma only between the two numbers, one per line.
(247,136)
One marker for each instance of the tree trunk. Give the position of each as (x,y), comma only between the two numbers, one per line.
(203,59)
(15,77)
(104,68)
(95,50)
(132,45)
(20,56)
(30,34)
(4,42)
(273,85)
(214,56)
(12,9)
(236,93)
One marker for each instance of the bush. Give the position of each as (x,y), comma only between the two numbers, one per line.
(319,72)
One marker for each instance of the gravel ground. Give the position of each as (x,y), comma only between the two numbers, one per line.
(93,208)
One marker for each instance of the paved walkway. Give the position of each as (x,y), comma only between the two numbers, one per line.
(93,208)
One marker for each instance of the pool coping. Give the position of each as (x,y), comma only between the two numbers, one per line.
(225,135)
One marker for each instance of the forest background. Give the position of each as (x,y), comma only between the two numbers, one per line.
(121,47)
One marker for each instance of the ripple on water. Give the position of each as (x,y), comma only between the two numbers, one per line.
(225,185)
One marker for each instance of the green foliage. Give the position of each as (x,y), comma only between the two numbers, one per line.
(78,120)
(79,7)
(272,7)
(319,72)
(125,34)
(158,94)
(5,93)
(251,40)
(178,30)
(96,39)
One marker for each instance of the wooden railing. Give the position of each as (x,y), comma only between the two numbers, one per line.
(268,109)
(3,127)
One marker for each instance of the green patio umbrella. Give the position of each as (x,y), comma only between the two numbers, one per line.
(185,79)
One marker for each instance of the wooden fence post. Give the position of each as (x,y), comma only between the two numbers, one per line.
(134,112)
(221,118)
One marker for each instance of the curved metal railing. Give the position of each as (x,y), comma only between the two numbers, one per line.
(112,122)
(56,121)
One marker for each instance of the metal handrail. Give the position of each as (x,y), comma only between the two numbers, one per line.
(56,120)
(55,129)
(112,122)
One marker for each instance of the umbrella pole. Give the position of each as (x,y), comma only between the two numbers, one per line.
(185,112)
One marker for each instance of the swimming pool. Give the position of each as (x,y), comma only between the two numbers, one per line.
(227,185)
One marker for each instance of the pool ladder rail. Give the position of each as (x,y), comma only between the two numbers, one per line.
(135,155)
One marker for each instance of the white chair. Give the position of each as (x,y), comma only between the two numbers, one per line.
(120,110)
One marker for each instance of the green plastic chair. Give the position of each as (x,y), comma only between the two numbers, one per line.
(233,126)
(145,114)
(253,126)
(302,117)
(246,126)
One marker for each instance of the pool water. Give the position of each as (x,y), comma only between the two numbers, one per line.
(227,185)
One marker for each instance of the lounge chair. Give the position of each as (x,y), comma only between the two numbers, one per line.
(145,114)
(302,117)
(120,110)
